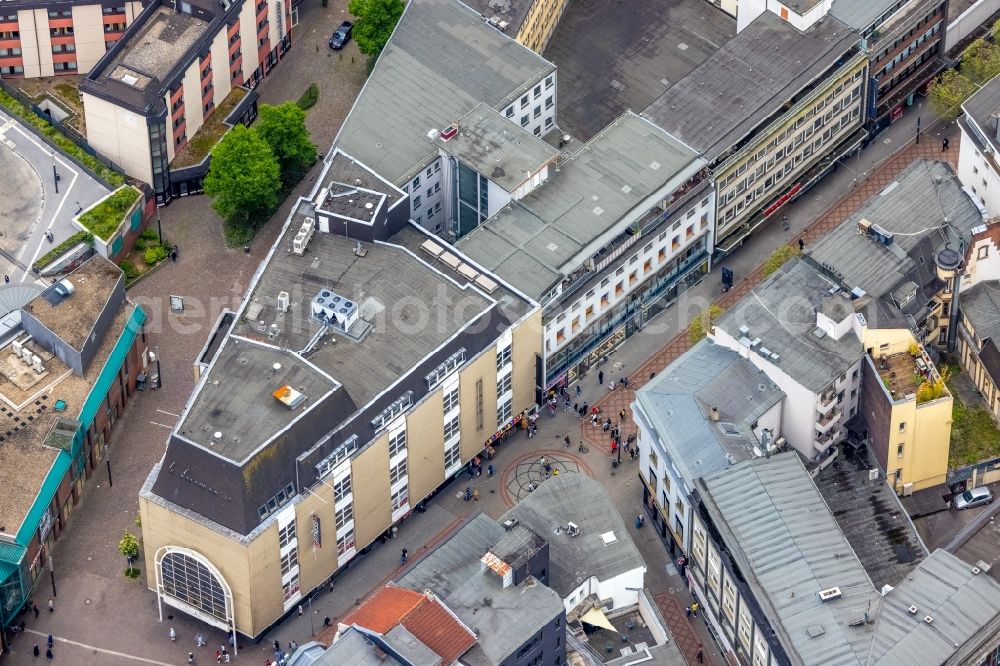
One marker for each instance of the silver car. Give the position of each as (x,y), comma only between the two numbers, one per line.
(971,498)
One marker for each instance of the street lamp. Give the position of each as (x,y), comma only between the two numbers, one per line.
(159,229)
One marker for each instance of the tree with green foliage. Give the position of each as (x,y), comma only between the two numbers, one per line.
(374,22)
(699,326)
(128,546)
(947,92)
(283,128)
(243,181)
(980,61)
(778,259)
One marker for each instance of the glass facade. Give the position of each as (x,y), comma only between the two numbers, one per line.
(190,581)
(159,158)
(473,199)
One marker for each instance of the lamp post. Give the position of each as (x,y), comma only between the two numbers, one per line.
(159,229)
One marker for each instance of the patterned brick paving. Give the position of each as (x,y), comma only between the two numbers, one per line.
(682,627)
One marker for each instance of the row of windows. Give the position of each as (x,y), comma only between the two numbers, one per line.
(397,443)
(909,50)
(901,39)
(279,500)
(286,534)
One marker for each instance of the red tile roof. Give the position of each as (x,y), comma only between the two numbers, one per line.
(422,615)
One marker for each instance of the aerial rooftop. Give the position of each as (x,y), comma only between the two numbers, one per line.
(442,60)
(534,242)
(796,291)
(138,70)
(982,112)
(452,571)
(498,148)
(788,546)
(680,399)
(924,212)
(749,79)
(578,499)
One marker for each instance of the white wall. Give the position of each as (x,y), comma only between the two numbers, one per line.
(969,21)
(88,35)
(980,269)
(120,135)
(431,185)
(615,589)
(751,9)
(496,198)
(976,173)
(536,96)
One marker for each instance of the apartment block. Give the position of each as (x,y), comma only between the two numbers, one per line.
(769,122)
(53,38)
(72,355)
(603,242)
(152,92)
(904,40)
(529,22)
(978,165)
(368,364)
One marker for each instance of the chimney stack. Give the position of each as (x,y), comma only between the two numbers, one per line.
(715,414)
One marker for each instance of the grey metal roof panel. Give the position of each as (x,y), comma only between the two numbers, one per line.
(441,61)
(782,313)
(860,14)
(581,500)
(352,649)
(927,211)
(981,304)
(750,78)
(582,202)
(788,546)
(678,402)
(982,108)
(965,608)
(453,572)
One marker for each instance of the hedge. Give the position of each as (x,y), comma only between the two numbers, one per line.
(63,142)
(54,253)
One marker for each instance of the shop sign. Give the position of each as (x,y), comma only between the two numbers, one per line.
(317,532)
(45,524)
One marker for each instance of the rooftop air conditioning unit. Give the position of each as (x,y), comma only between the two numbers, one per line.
(907,489)
(830,594)
(283,301)
(26,355)
(572,529)
(873,474)
(36,363)
(299,244)
(16,347)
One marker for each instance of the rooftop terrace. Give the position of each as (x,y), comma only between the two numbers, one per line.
(903,374)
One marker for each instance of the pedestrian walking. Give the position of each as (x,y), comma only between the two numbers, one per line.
(687,611)
(6,279)
(586,408)
(293,646)
(607,425)
(199,640)
(52,606)
(403,555)
(218,656)
(48,654)
(694,608)
(621,414)
(34,609)
(600,376)
(701,655)
(326,621)
(576,407)
(475,495)
(944,144)
(802,246)
(301,610)
(578,390)
(490,470)
(173,634)
(190,657)
(49,641)
(35,650)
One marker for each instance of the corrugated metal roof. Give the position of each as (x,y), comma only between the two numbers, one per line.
(787,544)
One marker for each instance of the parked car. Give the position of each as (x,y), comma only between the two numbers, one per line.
(971,498)
(341,35)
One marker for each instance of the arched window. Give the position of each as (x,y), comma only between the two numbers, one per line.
(188,578)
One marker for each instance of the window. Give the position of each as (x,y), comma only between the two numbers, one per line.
(400,498)
(452,456)
(289,561)
(416,183)
(503,385)
(479,404)
(524,121)
(503,357)
(429,172)
(549,102)
(417,202)
(345,514)
(190,581)
(278,500)
(524,100)
(504,411)
(548,83)
(902,426)
(286,534)
(982,252)
(451,400)
(446,368)
(899,450)
(342,488)
(451,428)
(537,112)
(397,443)
(290,589)
(510,112)
(345,543)
(397,473)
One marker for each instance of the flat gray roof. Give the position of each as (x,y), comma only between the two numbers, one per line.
(981,109)
(149,55)
(534,242)
(965,608)
(442,60)
(871,517)
(927,211)
(860,14)
(453,572)
(353,648)
(787,545)
(578,499)
(749,79)
(781,311)
(513,12)
(678,403)
(497,148)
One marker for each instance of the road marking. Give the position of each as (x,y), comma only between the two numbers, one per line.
(98,649)
(162,425)
(168,413)
(55,215)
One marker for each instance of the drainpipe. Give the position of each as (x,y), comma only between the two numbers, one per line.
(956,281)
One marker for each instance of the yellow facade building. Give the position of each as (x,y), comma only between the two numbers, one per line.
(368,365)
(529,22)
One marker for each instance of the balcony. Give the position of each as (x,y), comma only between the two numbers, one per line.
(826,402)
(823,442)
(827,421)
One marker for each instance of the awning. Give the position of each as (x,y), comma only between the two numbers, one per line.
(597,618)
